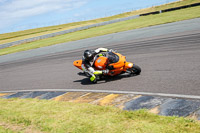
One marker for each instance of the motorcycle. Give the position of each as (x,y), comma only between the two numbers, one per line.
(115,62)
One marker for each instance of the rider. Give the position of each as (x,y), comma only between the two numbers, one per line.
(87,58)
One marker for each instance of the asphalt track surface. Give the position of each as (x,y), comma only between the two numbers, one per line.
(170,64)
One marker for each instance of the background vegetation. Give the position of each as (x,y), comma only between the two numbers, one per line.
(33,115)
(140,22)
(20,35)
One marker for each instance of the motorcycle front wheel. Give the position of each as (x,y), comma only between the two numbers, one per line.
(136,70)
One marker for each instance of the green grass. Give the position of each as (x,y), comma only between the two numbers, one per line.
(14,36)
(5,130)
(51,116)
(140,22)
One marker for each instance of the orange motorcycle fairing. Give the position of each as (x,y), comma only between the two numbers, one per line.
(119,70)
(78,64)
(116,71)
(101,63)
(128,65)
(120,63)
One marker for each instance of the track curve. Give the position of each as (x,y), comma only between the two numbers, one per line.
(170,64)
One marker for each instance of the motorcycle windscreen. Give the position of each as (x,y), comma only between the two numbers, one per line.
(112,57)
(116,60)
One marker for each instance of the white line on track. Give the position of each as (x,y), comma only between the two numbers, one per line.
(111,91)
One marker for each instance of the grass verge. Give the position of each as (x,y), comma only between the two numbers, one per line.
(35,115)
(140,22)
(14,36)
(5,130)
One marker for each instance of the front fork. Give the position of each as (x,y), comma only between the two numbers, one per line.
(128,66)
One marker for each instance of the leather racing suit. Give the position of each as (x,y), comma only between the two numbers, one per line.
(87,65)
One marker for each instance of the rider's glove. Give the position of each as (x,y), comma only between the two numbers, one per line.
(111,50)
(105,71)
